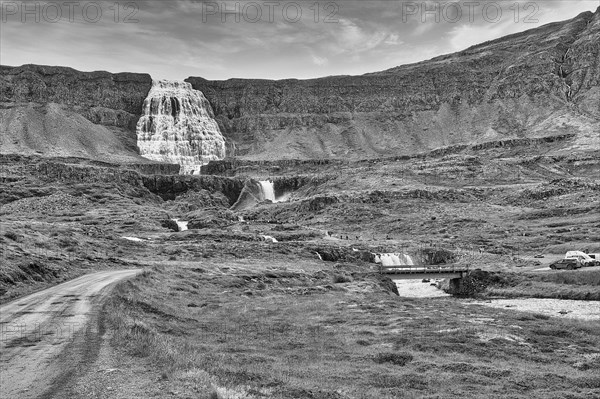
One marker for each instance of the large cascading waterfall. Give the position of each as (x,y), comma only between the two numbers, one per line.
(268,190)
(178,127)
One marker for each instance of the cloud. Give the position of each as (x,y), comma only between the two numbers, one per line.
(320,61)
(464,35)
(176,39)
(393,39)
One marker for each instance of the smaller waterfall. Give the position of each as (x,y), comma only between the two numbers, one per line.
(393,259)
(183,226)
(268,190)
(255,192)
(269,238)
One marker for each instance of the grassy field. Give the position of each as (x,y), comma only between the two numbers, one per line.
(251,329)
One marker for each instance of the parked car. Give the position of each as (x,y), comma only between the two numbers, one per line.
(582,257)
(569,264)
(596,257)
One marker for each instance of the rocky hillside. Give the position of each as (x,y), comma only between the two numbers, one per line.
(540,82)
(59,111)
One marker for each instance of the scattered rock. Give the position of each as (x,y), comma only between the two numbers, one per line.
(169,224)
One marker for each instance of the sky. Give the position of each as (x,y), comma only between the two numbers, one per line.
(276,39)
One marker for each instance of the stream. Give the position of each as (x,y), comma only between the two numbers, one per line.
(559,308)
(419,289)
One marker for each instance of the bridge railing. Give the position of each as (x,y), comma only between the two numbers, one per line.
(433,269)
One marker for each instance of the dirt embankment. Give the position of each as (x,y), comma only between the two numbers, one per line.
(583,284)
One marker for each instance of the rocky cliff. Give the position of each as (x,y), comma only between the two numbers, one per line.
(170,187)
(540,82)
(59,111)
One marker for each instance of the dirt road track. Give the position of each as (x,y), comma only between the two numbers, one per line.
(46,336)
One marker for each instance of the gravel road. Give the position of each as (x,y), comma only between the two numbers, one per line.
(45,337)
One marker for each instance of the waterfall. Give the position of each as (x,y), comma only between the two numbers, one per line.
(268,190)
(178,127)
(183,226)
(393,259)
(269,238)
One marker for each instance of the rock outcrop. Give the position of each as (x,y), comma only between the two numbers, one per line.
(170,187)
(250,196)
(255,192)
(210,219)
(541,82)
(169,224)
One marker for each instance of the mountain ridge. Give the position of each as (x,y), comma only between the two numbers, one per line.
(467,96)
(540,82)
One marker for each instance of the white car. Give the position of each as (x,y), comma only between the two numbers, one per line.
(582,257)
(596,257)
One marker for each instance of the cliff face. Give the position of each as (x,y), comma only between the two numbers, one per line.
(103,98)
(536,83)
(63,112)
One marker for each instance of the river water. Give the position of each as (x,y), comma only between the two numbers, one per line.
(559,308)
(419,289)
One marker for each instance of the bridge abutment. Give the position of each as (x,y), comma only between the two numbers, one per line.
(455,285)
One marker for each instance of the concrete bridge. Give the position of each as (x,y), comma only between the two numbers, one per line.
(453,273)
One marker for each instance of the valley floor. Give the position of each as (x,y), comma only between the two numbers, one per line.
(220,311)
(291,329)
